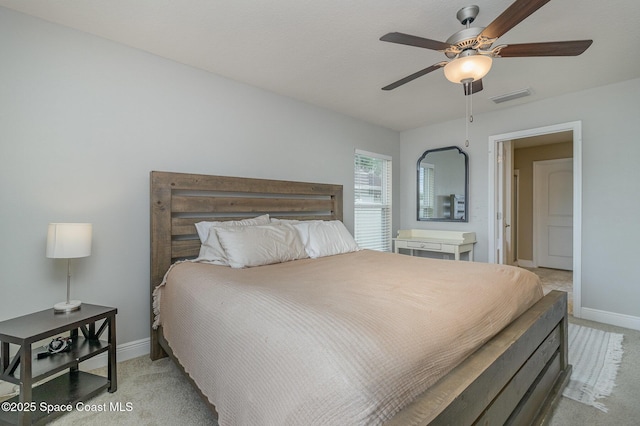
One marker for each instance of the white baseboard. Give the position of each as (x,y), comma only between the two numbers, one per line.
(611,318)
(526,263)
(124,352)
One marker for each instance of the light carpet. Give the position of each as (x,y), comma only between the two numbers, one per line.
(595,356)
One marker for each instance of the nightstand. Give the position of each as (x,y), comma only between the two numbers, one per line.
(25,369)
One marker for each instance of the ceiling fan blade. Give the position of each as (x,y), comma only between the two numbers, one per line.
(554,48)
(473,87)
(416,41)
(511,17)
(414,76)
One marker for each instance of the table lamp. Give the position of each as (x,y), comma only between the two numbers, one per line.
(68,241)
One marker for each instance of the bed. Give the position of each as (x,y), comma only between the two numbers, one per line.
(514,377)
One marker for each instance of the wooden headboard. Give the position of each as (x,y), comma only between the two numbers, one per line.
(179,200)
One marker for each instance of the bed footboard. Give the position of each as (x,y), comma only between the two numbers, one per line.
(516,378)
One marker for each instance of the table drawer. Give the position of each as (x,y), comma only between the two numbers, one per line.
(424,245)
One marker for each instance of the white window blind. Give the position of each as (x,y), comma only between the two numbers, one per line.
(372,192)
(427,196)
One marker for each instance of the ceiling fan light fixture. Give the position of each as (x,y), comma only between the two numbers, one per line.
(468,68)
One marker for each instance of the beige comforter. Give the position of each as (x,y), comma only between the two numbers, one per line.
(341,340)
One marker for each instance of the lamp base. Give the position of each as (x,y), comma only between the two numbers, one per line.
(70,306)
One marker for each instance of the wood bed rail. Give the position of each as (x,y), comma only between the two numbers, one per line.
(516,378)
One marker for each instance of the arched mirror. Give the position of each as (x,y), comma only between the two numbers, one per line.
(443,182)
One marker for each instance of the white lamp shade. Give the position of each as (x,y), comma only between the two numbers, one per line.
(69,240)
(468,68)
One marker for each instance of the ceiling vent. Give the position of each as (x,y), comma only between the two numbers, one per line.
(511,96)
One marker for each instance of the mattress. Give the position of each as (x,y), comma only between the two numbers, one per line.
(346,339)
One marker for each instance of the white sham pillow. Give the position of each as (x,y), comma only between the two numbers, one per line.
(203,227)
(210,250)
(325,238)
(258,245)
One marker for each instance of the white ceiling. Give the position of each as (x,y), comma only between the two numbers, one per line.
(328,53)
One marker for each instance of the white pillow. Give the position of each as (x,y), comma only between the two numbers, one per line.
(325,238)
(203,227)
(211,251)
(248,246)
(289,221)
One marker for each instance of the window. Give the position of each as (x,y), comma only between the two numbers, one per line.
(426,194)
(372,193)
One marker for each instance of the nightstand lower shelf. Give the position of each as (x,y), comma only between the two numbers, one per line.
(69,388)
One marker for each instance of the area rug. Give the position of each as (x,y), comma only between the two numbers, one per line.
(595,356)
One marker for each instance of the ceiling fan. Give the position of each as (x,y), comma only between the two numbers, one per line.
(470,51)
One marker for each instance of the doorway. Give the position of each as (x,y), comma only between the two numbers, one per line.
(501,204)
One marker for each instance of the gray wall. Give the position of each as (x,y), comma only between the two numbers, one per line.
(82,123)
(610,199)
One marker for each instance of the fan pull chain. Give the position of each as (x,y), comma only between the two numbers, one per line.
(466,122)
(469,116)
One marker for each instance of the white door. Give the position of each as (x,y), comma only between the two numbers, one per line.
(504,183)
(500,204)
(553,218)
(508,203)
